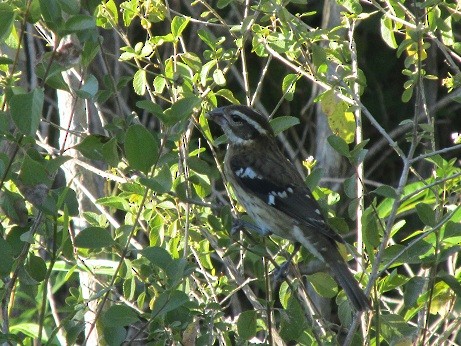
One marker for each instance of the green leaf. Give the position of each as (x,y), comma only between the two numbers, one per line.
(339,144)
(26,111)
(141,148)
(79,22)
(207,37)
(51,13)
(426,214)
(340,119)
(158,256)
(323,284)
(151,107)
(246,324)
(178,24)
(94,238)
(350,187)
(119,316)
(161,182)
(218,77)
(289,86)
(7,257)
(36,268)
(386,191)
(6,24)
(293,321)
(387,32)
(283,123)
(33,172)
(140,82)
(89,88)
(168,301)
(116,202)
(180,110)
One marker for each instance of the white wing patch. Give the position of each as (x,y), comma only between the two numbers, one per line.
(247,172)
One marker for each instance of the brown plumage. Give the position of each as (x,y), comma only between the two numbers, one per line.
(274,194)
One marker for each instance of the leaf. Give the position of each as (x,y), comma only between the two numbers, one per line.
(36,268)
(33,172)
(168,301)
(283,123)
(161,182)
(180,110)
(116,202)
(119,316)
(289,86)
(426,214)
(339,144)
(246,324)
(293,321)
(26,110)
(387,32)
(93,238)
(89,88)
(158,256)
(340,119)
(178,24)
(141,148)
(79,22)
(7,257)
(386,191)
(323,284)
(140,82)
(6,24)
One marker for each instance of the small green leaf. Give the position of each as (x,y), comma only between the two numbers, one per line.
(246,324)
(141,148)
(283,123)
(169,301)
(7,257)
(26,110)
(116,202)
(158,256)
(89,88)
(426,214)
(218,77)
(289,86)
(323,284)
(119,316)
(387,31)
(181,110)
(140,82)
(33,172)
(339,144)
(79,22)
(93,238)
(386,191)
(151,107)
(350,187)
(293,321)
(6,24)
(36,268)
(178,24)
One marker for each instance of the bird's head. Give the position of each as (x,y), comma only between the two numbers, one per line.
(241,124)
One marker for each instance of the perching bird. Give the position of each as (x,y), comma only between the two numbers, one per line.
(274,194)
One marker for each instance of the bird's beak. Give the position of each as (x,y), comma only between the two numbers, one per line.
(216,115)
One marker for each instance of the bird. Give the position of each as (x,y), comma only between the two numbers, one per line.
(274,193)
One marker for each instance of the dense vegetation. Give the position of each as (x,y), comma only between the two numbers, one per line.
(116,217)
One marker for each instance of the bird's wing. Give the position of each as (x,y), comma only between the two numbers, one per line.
(283,188)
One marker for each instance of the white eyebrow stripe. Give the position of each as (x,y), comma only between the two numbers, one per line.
(250,121)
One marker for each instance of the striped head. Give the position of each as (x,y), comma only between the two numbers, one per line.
(241,124)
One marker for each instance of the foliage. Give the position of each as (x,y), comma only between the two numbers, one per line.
(159,241)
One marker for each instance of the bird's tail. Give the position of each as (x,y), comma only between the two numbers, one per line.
(347,281)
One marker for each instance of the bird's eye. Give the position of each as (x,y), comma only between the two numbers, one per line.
(235,118)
